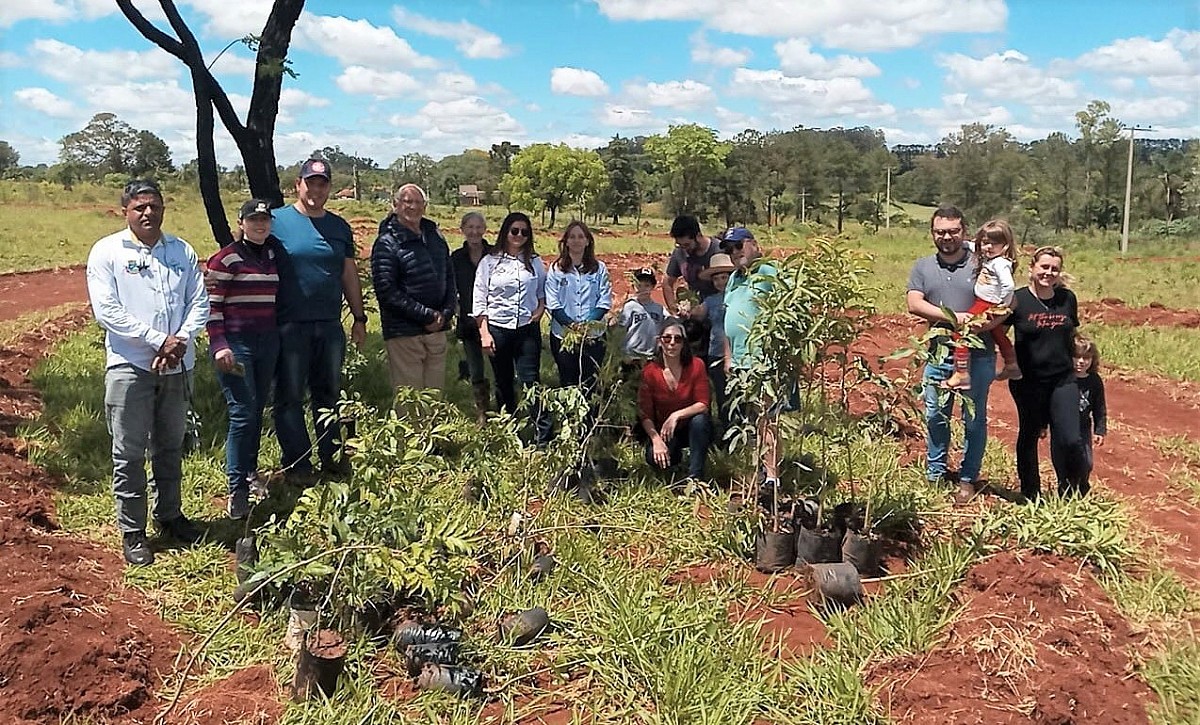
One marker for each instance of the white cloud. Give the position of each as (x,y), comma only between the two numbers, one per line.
(360,80)
(9,60)
(1010,77)
(567,81)
(447,87)
(797,58)
(958,109)
(681,95)
(1156,111)
(627,118)
(464,118)
(703,52)
(158,106)
(230,19)
(43,101)
(1170,65)
(55,10)
(293,99)
(471,40)
(911,83)
(70,64)
(34,150)
(358,42)
(234,66)
(853,24)
(580,140)
(818,98)
(731,123)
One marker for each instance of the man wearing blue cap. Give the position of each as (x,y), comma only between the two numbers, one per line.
(316,270)
(741,309)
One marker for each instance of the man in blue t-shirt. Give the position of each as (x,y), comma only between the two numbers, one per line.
(316,270)
(741,308)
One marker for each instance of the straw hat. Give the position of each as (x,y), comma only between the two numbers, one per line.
(719,263)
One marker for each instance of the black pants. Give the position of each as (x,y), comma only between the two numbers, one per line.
(578,366)
(1056,403)
(695,434)
(518,354)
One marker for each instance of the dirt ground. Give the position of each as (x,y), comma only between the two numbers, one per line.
(1037,641)
(76,641)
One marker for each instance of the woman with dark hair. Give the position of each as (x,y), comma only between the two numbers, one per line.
(508,302)
(1044,318)
(578,291)
(673,403)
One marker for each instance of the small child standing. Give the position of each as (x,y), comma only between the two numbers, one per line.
(995,255)
(640,316)
(713,309)
(1093,412)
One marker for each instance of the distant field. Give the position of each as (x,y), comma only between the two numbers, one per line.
(43,226)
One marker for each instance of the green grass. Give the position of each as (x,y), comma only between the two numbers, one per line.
(1172,352)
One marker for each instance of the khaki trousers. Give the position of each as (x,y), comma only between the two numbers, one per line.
(417,361)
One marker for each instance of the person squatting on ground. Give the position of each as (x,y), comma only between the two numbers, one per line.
(147,292)
(713,310)
(746,283)
(995,255)
(243,339)
(1044,318)
(578,294)
(465,260)
(415,285)
(640,317)
(509,301)
(673,404)
(947,278)
(316,270)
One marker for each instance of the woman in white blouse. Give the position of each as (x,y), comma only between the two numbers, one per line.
(509,300)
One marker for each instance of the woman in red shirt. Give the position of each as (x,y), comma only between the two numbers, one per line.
(673,403)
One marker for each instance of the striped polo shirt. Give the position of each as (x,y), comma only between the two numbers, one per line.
(243,280)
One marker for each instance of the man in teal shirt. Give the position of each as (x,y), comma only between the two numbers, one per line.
(316,270)
(741,309)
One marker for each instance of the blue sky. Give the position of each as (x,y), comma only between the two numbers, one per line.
(382,79)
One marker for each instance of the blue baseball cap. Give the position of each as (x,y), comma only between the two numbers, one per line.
(735,236)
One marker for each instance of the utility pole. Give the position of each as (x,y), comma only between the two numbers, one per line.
(803,196)
(1129,190)
(887,209)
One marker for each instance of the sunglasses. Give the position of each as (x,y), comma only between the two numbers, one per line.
(947,232)
(671,338)
(519,231)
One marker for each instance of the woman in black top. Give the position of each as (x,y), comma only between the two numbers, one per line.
(1044,318)
(464,260)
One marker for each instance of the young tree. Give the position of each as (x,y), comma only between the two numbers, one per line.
(622,196)
(255,138)
(1103,154)
(549,177)
(689,158)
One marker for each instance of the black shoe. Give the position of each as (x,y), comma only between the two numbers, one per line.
(182,530)
(137,548)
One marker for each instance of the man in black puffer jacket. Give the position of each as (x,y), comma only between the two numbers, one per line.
(414,283)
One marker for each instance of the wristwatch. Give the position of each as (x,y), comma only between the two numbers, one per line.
(361,318)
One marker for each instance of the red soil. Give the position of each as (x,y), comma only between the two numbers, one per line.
(24,292)
(1038,641)
(74,641)
(1113,311)
(247,697)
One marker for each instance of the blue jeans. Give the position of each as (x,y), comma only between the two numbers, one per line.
(246,396)
(310,360)
(145,410)
(696,438)
(938,413)
(518,355)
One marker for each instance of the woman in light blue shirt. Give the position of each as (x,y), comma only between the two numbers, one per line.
(509,301)
(578,295)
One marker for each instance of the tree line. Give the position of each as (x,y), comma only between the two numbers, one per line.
(806,175)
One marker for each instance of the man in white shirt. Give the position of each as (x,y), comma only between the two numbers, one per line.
(147,292)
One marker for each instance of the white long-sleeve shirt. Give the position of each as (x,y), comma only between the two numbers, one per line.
(577,294)
(141,295)
(995,281)
(506,292)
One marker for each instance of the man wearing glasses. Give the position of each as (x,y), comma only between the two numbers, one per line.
(148,294)
(947,279)
(741,308)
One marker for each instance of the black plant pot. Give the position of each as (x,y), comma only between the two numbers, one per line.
(542,567)
(836,585)
(774,551)
(418,633)
(418,655)
(817,546)
(320,663)
(863,552)
(448,678)
(522,628)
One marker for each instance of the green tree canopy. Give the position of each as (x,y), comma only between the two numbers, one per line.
(546,177)
(688,158)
